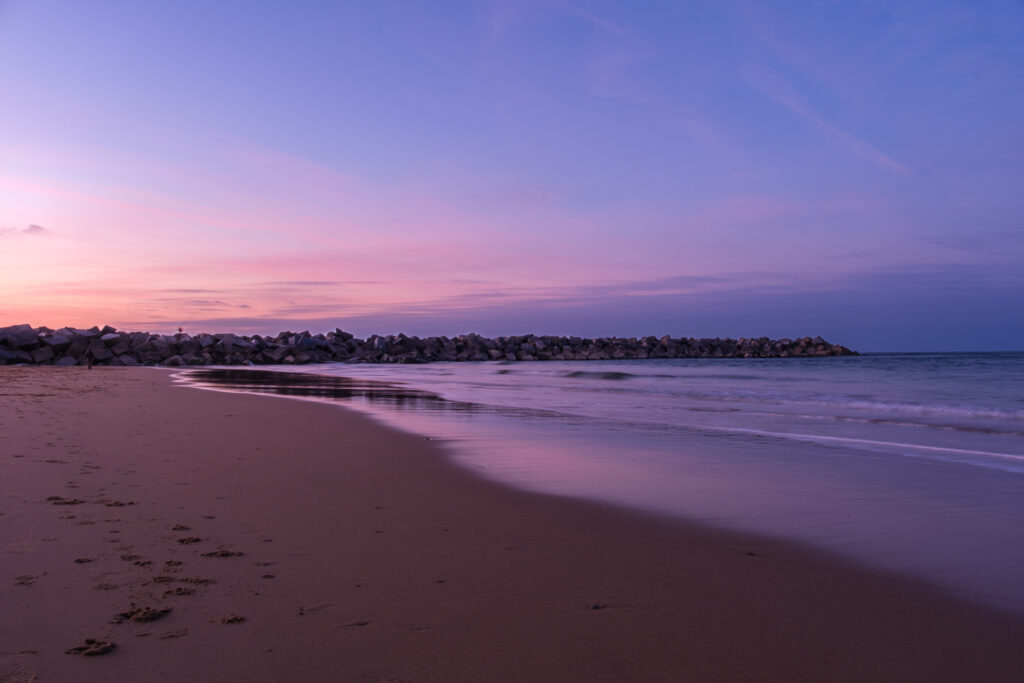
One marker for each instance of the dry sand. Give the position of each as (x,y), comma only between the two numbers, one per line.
(364,555)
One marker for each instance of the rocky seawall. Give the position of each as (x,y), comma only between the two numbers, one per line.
(23,344)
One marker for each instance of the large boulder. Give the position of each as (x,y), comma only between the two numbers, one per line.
(21,340)
(79,345)
(56,342)
(9,333)
(99,352)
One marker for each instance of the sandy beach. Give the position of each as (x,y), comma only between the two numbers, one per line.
(217,537)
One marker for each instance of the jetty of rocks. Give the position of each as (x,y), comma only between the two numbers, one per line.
(23,344)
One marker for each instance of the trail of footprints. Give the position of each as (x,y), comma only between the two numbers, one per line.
(168,579)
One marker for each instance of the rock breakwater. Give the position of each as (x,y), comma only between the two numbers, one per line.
(23,344)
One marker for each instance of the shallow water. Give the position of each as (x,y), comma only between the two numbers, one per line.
(912,463)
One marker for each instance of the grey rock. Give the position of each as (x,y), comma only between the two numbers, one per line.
(99,353)
(23,344)
(22,340)
(78,347)
(57,342)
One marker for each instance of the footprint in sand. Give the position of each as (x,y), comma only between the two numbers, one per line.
(20,673)
(141,615)
(198,581)
(303,611)
(60,500)
(163,579)
(222,553)
(175,634)
(92,648)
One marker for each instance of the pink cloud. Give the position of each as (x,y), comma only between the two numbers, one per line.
(292,238)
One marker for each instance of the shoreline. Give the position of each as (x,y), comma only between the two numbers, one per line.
(390,562)
(946,524)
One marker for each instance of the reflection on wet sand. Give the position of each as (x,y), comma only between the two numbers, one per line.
(325,387)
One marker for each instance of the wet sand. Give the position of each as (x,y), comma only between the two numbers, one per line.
(215,536)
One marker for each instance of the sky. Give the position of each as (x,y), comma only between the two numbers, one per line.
(853,170)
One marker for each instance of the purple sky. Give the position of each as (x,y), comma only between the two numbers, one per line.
(854,170)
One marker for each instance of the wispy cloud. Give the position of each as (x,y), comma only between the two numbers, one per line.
(609,73)
(594,19)
(301,283)
(188,290)
(32,231)
(990,241)
(774,85)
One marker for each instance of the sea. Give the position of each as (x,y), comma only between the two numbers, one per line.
(910,463)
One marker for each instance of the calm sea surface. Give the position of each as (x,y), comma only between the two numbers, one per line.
(905,462)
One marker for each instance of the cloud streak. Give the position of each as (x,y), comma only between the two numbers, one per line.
(775,86)
(594,19)
(31,231)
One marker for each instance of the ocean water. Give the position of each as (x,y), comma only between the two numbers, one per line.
(912,463)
